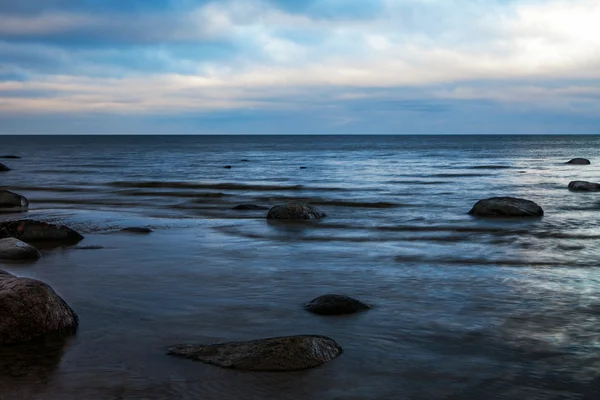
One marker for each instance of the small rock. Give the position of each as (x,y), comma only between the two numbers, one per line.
(32,309)
(506,207)
(295,211)
(136,230)
(583,186)
(249,207)
(335,304)
(288,353)
(302,167)
(579,161)
(228,167)
(4,168)
(9,156)
(14,249)
(36,231)
(10,201)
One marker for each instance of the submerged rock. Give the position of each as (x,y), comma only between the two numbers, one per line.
(91,247)
(135,229)
(30,309)
(506,207)
(335,304)
(10,201)
(36,231)
(287,353)
(4,168)
(249,207)
(583,186)
(579,161)
(9,156)
(14,249)
(295,211)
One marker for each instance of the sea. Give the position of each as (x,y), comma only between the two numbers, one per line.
(464,308)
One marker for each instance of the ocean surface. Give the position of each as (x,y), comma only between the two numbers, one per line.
(464,308)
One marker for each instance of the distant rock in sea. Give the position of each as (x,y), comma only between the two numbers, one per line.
(295,211)
(228,167)
(335,304)
(583,186)
(4,168)
(506,207)
(14,249)
(135,229)
(287,353)
(302,167)
(579,161)
(36,231)
(10,201)
(32,309)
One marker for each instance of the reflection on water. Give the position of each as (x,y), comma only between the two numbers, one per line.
(463,308)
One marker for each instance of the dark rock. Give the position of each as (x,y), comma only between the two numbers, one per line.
(506,207)
(249,207)
(583,186)
(288,353)
(244,160)
(579,161)
(335,304)
(10,156)
(302,167)
(14,249)
(4,168)
(295,211)
(36,231)
(227,167)
(136,230)
(30,309)
(10,201)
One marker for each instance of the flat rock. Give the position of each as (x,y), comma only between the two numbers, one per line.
(506,207)
(11,202)
(36,231)
(583,186)
(30,309)
(14,249)
(9,156)
(335,304)
(136,229)
(295,211)
(287,353)
(579,161)
(249,207)
(4,168)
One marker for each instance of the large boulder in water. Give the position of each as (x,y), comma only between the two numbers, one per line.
(583,186)
(295,211)
(4,168)
(36,231)
(30,309)
(288,353)
(10,201)
(335,304)
(506,207)
(14,249)
(579,161)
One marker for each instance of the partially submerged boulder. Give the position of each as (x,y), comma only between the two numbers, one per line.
(14,249)
(36,231)
(287,353)
(506,207)
(10,201)
(4,168)
(335,304)
(30,309)
(579,161)
(583,186)
(135,229)
(295,211)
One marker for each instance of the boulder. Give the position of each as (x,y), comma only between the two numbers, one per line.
(295,211)
(288,353)
(4,168)
(249,207)
(30,309)
(506,207)
(579,161)
(136,229)
(36,231)
(10,201)
(583,186)
(335,304)
(14,249)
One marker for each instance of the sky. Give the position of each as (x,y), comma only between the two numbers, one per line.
(299,66)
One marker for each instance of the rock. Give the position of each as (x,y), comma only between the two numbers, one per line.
(302,167)
(295,211)
(506,207)
(136,230)
(244,160)
(228,167)
(249,207)
(335,304)
(583,186)
(36,231)
(4,168)
(10,201)
(579,161)
(30,309)
(288,353)
(14,249)
(9,156)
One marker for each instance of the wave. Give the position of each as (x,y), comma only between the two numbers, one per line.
(490,167)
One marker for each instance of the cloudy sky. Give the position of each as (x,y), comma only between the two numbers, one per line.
(300,66)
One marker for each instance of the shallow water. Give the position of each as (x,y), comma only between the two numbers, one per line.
(464,308)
